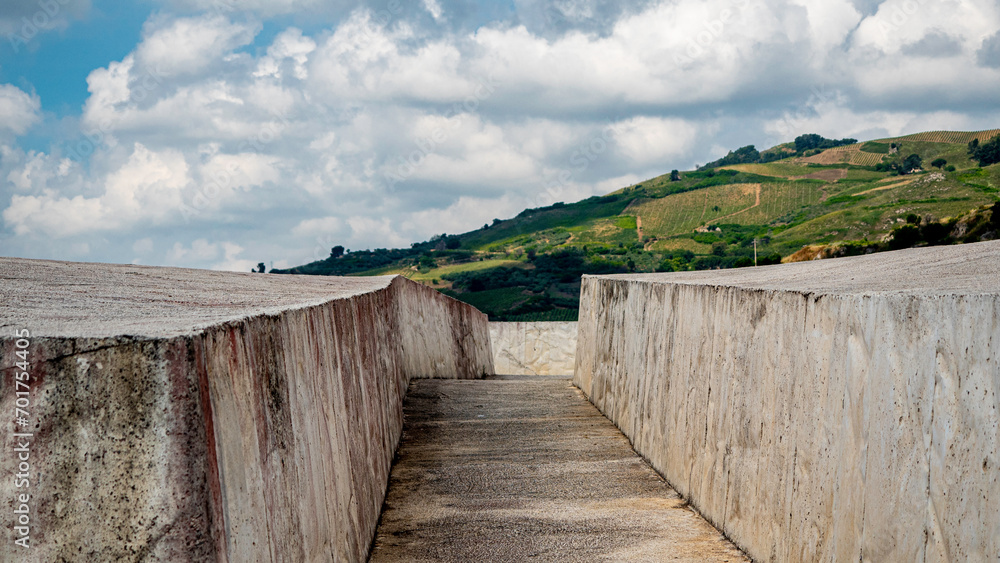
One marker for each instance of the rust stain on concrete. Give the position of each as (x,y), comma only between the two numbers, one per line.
(185,415)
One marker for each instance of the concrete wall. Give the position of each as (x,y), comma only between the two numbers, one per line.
(838,410)
(181,415)
(534,348)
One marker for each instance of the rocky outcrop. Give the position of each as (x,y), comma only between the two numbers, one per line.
(541,348)
(181,415)
(837,410)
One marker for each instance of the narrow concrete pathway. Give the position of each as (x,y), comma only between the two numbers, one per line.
(526,469)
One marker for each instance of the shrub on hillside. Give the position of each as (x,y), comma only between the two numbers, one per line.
(988,153)
(666,266)
(935,233)
(905,166)
(904,237)
(911,163)
(813,141)
(770,259)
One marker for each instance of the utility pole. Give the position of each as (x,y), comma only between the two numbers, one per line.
(755,252)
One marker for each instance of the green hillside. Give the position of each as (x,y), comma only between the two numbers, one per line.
(928,188)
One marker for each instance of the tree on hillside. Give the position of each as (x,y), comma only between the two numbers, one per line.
(911,163)
(675,176)
(939,162)
(906,166)
(260,268)
(742,155)
(988,153)
(973,145)
(337,251)
(746,155)
(425,262)
(812,141)
(807,142)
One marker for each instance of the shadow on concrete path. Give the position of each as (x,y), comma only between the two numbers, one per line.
(525,468)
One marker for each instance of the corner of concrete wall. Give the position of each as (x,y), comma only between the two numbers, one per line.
(441,337)
(809,428)
(586,339)
(263,439)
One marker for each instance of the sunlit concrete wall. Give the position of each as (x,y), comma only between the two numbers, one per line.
(542,348)
(837,410)
(181,415)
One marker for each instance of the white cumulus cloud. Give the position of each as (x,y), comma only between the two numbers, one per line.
(18,109)
(188,45)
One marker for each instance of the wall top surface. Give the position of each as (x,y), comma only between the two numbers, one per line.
(76,300)
(968,269)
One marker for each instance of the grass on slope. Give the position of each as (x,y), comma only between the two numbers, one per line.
(870,211)
(438,272)
(577,215)
(501,299)
(680,243)
(781,169)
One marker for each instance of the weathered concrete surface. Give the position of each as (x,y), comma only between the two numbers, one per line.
(839,410)
(183,415)
(534,348)
(526,469)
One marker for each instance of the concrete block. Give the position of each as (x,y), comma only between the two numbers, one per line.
(183,415)
(542,348)
(835,410)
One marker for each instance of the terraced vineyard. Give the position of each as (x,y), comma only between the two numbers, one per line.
(736,204)
(861,158)
(683,213)
(958,137)
(849,154)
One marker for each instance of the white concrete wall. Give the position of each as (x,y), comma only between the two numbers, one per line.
(255,422)
(541,348)
(811,411)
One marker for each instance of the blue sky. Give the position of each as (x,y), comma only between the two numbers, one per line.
(56,64)
(222,133)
